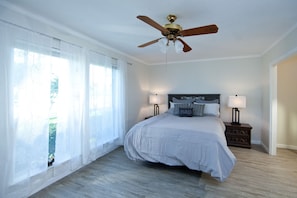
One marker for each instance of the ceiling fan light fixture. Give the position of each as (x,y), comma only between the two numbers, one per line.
(163,44)
(179,46)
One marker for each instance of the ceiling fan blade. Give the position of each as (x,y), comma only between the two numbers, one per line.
(153,24)
(149,43)
(186,48)
(209,29)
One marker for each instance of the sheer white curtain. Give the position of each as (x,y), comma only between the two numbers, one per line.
(106,112)
(26,108)
(69,103)
(120,101)
(58,103)
(5,155)
(29,62)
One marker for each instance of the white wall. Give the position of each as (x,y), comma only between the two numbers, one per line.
(226,77)
(137,94)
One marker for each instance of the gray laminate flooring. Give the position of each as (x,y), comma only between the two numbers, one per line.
(256,174)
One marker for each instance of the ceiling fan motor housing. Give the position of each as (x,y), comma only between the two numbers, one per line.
(172,28)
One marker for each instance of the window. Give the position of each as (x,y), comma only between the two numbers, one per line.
(106,103)
(102,100)
(36,96)
(54,91)
(58,110)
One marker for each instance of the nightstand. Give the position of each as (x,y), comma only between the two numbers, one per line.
(238,135)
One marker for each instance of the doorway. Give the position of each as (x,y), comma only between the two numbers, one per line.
(282,100)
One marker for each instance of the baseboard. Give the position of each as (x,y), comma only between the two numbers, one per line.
(284,146)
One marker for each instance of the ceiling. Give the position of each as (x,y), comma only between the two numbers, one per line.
(246,27)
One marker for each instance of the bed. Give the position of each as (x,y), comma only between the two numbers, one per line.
(190,133)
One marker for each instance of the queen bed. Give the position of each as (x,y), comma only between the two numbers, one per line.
(190,133)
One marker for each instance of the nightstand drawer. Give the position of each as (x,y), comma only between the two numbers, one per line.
(238,140)
(238,135)
(242,132)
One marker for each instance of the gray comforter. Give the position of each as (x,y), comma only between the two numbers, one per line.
(196,142)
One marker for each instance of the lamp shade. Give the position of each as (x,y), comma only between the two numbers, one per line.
(237,101)
(155,99)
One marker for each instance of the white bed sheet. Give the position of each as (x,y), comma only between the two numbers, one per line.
(196,142)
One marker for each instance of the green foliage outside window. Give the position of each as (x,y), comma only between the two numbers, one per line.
(53,120)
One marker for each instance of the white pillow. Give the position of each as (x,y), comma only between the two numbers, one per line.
(212,109)
(172,104)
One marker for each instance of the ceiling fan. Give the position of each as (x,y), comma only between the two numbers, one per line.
(173,31)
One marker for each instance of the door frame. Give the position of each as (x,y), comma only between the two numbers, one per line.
(273,100)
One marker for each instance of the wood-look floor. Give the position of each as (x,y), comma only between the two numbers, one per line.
(256,174)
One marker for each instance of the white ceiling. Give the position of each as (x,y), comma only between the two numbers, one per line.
(246,27)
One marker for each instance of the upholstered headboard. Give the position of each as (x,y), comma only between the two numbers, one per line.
(209,97)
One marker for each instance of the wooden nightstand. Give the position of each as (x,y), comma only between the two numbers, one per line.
(238,135)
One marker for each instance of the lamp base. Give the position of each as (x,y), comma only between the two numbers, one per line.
(235,116)
(156,109)
(235,123)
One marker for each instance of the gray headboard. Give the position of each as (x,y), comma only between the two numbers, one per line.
(205,97)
